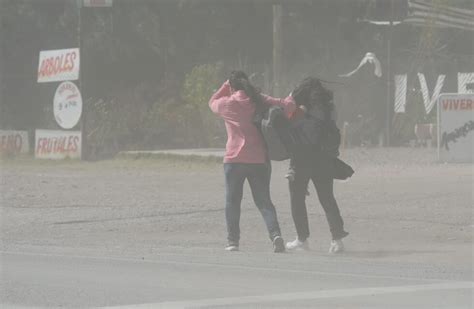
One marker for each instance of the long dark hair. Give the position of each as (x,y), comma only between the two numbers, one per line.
(312,93)
(239,81)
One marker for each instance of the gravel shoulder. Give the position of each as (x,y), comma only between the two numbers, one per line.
(404,211)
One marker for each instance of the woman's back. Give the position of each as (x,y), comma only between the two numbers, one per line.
(244,142)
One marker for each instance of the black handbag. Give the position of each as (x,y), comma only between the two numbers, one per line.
(341,170)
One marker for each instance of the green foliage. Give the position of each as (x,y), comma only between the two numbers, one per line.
(201,83)
(198,87)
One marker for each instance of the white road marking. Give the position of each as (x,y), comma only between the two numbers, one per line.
(222,265)
(287,297)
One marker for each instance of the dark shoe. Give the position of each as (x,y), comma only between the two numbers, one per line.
(278,244)
(343,234)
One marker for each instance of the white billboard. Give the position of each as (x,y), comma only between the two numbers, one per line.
(98,3)
(456,127)
(14,142)
(51,144)
(58,65)
(67,105)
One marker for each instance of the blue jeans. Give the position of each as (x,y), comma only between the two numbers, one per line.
(258,176)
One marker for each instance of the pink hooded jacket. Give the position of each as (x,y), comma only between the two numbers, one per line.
(245,143)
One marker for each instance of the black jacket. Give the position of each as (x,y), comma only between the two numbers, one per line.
(316,146)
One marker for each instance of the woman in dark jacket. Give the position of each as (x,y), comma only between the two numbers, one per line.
(313,158)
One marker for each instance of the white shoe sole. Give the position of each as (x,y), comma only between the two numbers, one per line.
(290,247)
(336,249)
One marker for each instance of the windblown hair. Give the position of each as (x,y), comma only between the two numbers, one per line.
(311,93)
(239,81)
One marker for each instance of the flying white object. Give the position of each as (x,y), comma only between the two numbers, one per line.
(368,58)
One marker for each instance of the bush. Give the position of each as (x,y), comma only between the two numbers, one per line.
(179,117)
(198,87)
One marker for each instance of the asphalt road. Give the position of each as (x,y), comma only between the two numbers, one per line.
(240,280)
(150,234)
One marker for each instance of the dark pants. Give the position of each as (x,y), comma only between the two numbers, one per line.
(317,172)
(258,176)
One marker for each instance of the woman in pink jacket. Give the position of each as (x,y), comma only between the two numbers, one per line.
(237,102)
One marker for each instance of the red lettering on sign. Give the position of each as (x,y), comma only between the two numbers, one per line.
(73,141)
(67,62)
(445,104)
(76,143)
(56,65)
(11,143)
(40,146)
(57,145)
(73,61)
(457,104)
(469,104)
(67,87)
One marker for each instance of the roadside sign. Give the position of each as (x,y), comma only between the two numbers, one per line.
(14,142)
(98,3)
(67,105)
(456,127)
(58,65)
(50,144)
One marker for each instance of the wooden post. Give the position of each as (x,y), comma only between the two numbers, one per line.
(3,102)
(84,150)
(389,79)
(277,49)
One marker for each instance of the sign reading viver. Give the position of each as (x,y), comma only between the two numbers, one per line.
(67,105)
(58,65)
(456,127)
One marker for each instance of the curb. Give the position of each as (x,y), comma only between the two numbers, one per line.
(170,155)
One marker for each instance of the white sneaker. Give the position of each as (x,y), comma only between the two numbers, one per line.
(232,248)
(337,246)
(297,245)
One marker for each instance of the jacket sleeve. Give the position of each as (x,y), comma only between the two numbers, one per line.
(288,103)
(220,99)
(298,113)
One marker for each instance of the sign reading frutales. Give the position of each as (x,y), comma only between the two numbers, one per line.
(54,144)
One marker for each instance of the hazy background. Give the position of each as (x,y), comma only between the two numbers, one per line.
(149,67)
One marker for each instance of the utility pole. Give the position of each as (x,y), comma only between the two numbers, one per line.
(277,48)
(84,152)
(389,79)
(3,102)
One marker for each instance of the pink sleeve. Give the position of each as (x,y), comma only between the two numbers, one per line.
(220,98)
(287,103)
